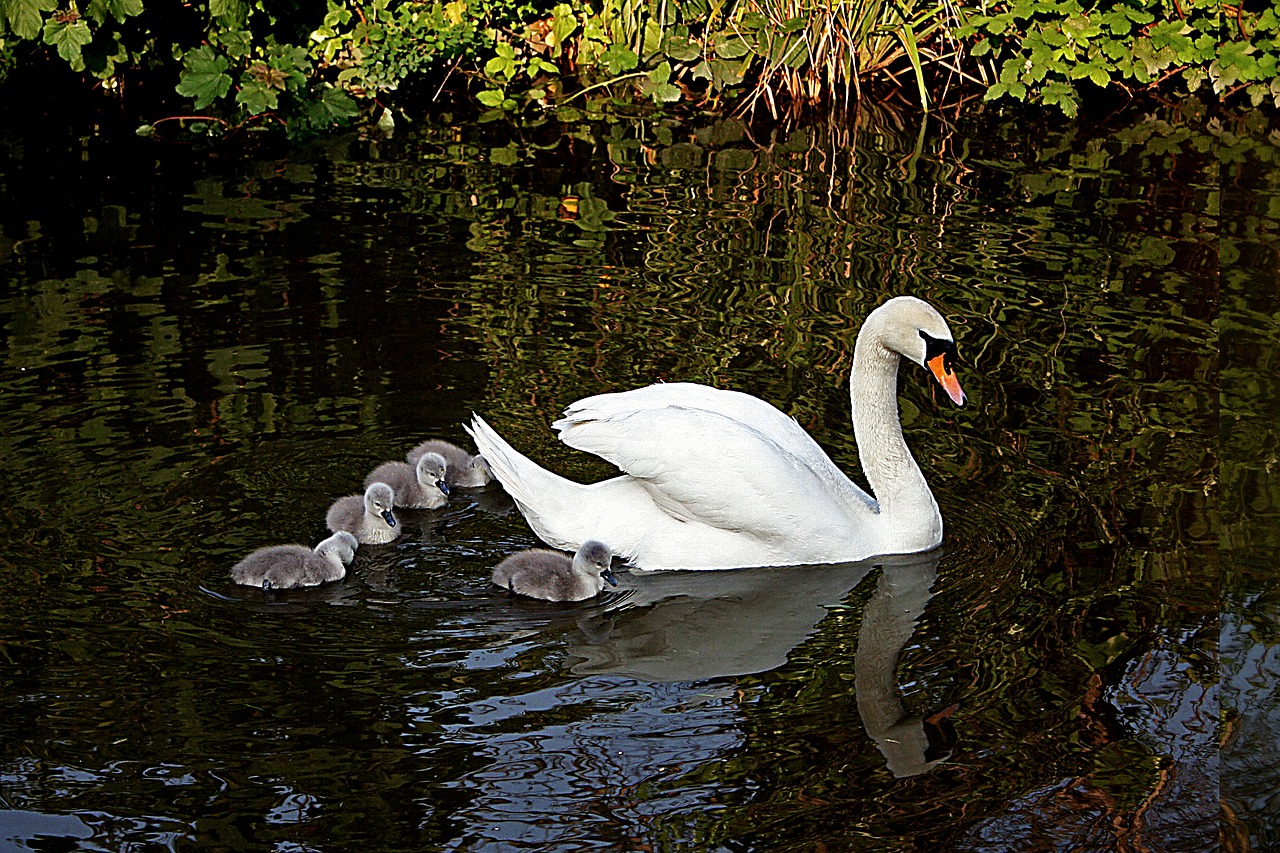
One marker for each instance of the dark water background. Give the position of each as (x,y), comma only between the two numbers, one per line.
(201,352)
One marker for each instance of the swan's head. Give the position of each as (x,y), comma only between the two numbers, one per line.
(596,558)
(342,544)
(378,500)
(913,328)
(431,470)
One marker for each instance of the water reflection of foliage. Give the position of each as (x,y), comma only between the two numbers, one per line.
(1080,486)
(1091,328)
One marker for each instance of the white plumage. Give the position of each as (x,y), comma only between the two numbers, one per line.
(719,479)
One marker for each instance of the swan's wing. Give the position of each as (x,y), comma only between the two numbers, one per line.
(751,413)
(703,466)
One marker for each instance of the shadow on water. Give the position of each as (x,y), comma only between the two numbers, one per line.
(199,358)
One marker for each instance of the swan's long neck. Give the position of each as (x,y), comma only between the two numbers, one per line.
(891,470)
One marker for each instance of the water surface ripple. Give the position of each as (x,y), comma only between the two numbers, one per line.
(195,364)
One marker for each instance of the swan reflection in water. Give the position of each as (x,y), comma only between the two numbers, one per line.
(690,626)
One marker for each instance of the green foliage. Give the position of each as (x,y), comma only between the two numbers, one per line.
(243,61)
(1046,50)
(204,76)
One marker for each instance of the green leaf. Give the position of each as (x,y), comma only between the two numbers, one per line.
(231,13)
(538,64)
(619,59)
(293,62)
(69,37)
(258,98)
(236,43)
(1194,77)
(982,48)
(666,93)
(681,48)
(99,10)
(491,97)
(563,24)
(204,76)
(1062,96)
(333,107)
(732,48)
(726,73)
(24,16)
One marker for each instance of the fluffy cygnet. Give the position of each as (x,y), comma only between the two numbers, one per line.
(291,566)
(552,576)
(368,518)
(462,470)
(422,486)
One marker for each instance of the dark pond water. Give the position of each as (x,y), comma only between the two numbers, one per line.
(200,353)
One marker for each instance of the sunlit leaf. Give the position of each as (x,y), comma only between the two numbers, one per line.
(24,16)
(69,37)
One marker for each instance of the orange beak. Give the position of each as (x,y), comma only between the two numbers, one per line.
(947,379)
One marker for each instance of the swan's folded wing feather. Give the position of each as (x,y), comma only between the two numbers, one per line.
(751,413)
(709,468)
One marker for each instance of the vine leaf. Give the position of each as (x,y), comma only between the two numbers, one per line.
(204,76)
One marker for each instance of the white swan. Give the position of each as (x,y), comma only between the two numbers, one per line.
(719,479)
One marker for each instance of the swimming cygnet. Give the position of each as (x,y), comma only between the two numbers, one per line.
(552,576)
(368,518)
(462,470)
(291,566)
(421,486)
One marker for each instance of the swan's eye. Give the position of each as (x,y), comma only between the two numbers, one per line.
(934,347)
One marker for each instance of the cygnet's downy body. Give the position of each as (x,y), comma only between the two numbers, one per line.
(292,566)
(462,470)
(420,486)
(367,517)
(552,576)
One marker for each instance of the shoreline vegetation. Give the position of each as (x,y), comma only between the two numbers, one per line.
(217,67)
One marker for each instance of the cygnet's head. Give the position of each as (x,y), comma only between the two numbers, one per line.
(431,472)
(378,500)
(342,544)
(595,557)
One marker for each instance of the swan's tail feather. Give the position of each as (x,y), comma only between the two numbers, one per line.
(529,484)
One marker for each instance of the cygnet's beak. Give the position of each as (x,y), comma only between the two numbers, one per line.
(443,487)
(389,517)
(607,574)
(946,378)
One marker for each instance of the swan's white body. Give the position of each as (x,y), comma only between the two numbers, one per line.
(719,479)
